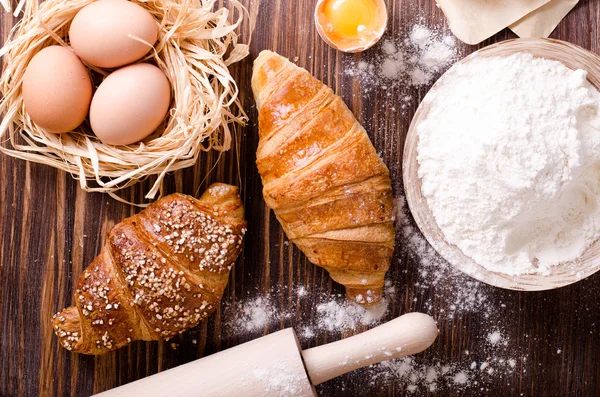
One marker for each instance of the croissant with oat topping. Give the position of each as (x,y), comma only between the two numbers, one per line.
(322,177)
(160,273)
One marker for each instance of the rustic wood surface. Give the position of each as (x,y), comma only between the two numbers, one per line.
(50,230)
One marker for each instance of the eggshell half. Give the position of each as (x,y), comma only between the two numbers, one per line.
(130,104)
(99,33)
(56,90)
(351,44)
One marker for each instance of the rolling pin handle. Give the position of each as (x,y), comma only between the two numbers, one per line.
(406,335)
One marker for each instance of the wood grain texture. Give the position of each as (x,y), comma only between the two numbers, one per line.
(50,231)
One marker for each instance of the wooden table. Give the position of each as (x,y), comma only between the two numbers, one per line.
(50,230)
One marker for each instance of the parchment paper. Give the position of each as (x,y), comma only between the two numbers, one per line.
(541,22)
(473,21)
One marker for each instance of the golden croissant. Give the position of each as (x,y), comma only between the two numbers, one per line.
(160,273)
(322,177)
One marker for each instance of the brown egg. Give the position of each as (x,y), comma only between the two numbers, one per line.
(99,33)
(57,90)
(130,104)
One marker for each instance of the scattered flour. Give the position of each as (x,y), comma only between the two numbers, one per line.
(461,378)
(278,380)
(436,275)
(494,337)
(307,333)
(438,280)
(522,196)
(414,376)
(414,60)
(420,375)
(333,313)
(301,291)
(255,314)
(496,357)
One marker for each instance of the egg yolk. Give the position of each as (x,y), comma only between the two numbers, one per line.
(351,18)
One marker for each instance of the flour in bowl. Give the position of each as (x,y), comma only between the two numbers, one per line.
(509,158)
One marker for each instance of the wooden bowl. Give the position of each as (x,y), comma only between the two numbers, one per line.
(587,264)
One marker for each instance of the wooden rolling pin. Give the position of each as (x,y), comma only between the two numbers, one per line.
(275,365)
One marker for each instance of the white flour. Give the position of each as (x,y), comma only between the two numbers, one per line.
(254,314)
(509,160)
(494,337)
(413,60)
(333,313)
(437,278)
(277,379)
(420,375)
(333,316)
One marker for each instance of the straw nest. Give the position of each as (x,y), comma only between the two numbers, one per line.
(196,44)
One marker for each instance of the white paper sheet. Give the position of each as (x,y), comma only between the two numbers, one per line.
(541,22)
(473,21)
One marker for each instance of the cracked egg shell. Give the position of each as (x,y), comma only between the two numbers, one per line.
(351,25)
